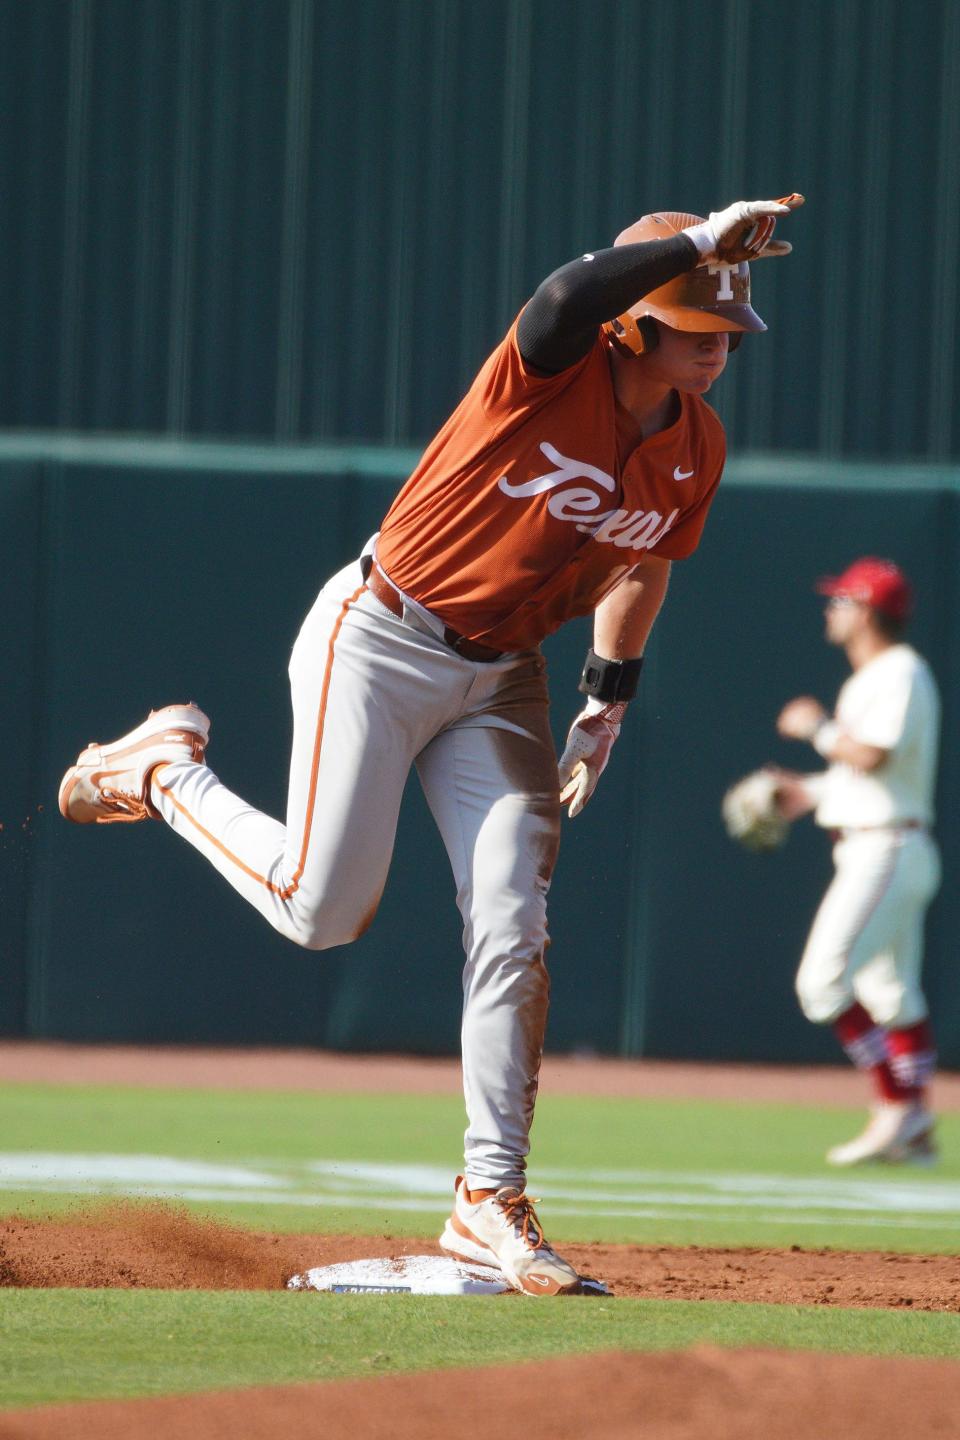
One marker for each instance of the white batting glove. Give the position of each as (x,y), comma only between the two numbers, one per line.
(743,231)
(587,751)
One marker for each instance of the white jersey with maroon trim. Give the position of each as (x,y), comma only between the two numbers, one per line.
(892,702)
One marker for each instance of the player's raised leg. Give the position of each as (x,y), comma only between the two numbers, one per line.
(318,878)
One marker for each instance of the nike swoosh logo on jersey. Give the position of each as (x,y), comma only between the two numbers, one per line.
(679,474)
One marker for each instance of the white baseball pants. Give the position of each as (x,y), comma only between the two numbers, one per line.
(866,942)
(373,694)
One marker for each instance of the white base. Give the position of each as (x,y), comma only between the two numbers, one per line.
(406,1275)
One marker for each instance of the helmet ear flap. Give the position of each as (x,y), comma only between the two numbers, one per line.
(648,332)
(735,337)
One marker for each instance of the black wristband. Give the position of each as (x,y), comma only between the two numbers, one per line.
(610,680)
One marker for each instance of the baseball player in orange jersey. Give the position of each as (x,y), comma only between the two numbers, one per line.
(861,967)
(581,462)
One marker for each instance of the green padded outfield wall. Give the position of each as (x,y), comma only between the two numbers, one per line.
(310,219)
(667,939)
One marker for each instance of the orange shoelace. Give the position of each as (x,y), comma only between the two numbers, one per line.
(520,1212)
(129,807)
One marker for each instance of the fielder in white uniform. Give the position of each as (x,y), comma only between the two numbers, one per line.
(861,968)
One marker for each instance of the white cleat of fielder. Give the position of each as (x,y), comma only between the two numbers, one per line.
(112,782)
(897,1133)
(503,1230)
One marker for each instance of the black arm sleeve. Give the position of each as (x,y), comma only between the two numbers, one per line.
(559,323)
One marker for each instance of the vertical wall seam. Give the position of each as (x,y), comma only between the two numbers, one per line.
(146,269)
(183,227)
(840,36)
(403,249)
(514,159)
(73,258)
(289,379)
(51,542)
(871,240)
(943,331)
(735,144)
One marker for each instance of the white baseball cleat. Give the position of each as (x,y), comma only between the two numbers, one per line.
(898,1132)
(921,1151)
(503,1230)
(112,782)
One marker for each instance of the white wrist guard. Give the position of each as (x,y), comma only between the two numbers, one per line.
(703,237)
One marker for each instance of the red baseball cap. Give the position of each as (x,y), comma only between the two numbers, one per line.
(877,583)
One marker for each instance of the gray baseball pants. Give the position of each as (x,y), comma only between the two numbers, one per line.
(373,694)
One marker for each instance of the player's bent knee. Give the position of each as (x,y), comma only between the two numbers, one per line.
(317,930)
(821,1005)
(897,1010)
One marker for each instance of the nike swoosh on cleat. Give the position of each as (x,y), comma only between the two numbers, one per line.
(679,474)
(539,1280)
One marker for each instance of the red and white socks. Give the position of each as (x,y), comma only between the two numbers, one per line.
(899,1060)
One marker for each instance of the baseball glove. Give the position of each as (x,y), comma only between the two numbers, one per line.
(751,814)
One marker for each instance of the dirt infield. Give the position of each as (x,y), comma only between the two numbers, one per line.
(690,1395)
(127,1245)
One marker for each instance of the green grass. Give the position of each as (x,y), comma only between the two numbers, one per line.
(617,1170)
(70,1345)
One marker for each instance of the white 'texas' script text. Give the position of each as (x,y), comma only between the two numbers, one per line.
(628,529)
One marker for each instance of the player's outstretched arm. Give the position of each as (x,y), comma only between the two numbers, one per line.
(622,624)
(805,719)
(559,323)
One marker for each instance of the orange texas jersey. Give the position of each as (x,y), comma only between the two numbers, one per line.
(520,516)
